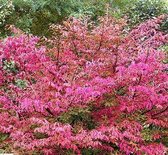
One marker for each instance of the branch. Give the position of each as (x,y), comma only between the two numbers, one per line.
(147,111)
(49,111)
(58,51)
(162,111)
(140,78)
(115,63)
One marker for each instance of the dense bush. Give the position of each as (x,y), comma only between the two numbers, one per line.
(6,9)
(164,25)
(96,91)
(142,10)
(35,17)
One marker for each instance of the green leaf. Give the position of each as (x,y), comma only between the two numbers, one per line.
(21,83)
(3,136)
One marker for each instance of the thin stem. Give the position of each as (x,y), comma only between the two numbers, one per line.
(160,112)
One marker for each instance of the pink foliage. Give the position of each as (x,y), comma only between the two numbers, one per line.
(120,77)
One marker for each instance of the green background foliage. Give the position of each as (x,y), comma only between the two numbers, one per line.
(146,9)
(35,16)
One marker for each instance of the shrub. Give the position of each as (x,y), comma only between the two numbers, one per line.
(91,74)
(142,10)
(6,9)
(164,25)
(36,16)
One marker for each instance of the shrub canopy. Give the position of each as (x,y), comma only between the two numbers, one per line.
(96,90)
